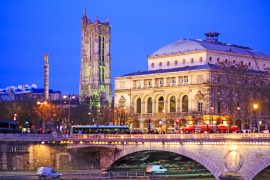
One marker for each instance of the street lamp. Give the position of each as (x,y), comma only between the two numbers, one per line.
(212,112)
(69,98)
(41,105)
(164,112)
(255,108)
(15,117)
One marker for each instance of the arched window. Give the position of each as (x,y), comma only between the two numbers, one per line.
(152,65)
(200,59)
(183,61)
(185,103)
(138,106)
(168,63)
(160,104)
(175,62)
(160,63)
(149,105)
(172,104)
(192,60)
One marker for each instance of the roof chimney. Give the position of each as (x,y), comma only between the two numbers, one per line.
(211,36)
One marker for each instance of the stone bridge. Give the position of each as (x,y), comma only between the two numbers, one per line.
(240,155)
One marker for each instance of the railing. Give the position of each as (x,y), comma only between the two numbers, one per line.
(171,136)
(76,175)
(135,137)
(106,175)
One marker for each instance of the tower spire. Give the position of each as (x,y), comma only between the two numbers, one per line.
(84,12)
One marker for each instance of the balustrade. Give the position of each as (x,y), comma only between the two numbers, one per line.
(136,137)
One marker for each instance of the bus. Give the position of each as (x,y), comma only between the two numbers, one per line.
(87,129)
(9,127)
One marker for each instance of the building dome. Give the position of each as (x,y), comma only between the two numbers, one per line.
(178,47)
(210,43)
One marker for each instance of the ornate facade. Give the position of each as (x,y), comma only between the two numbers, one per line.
(95,60)
(198,82)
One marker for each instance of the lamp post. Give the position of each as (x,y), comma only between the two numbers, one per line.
(15,117)
(41,105)
(69,98)
(212,112)
(165,120)
(255,108)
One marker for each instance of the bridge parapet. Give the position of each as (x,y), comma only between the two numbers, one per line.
(26,137)
(169,137)
(220,137)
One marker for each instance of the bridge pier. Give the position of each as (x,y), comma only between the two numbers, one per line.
(231,176)
(106,158)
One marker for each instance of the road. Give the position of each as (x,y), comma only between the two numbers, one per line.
(95,175)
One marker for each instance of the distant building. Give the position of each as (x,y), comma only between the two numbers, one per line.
(198,82)
(27,92)
(95,61)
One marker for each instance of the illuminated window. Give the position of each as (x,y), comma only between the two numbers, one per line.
(138,105)
(172,104)
(149,105)
(183,61)
(185,103)
(160,104)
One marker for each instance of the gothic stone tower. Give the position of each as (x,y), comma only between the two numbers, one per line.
(95,60)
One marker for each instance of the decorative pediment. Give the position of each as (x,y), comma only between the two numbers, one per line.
(122,101)
(200,96)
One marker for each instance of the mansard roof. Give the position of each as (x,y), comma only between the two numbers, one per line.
(185,45)
(186,68)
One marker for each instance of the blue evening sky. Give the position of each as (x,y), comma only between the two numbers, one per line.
(30,28)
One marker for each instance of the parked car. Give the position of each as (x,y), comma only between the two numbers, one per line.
(47,173)
(155,169)
(265,131)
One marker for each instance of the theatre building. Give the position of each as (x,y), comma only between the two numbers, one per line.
(198,85)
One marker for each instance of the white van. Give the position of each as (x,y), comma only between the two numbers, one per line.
(46,172)
(155,169)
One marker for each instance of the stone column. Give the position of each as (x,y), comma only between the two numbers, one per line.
(165,82)
(46,77)
(142,125)
(154,107)
(153,83)
(143,108)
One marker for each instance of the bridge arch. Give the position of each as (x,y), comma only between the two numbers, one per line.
(196,156)
(259,167)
